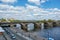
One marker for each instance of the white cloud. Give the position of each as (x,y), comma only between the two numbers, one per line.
(28,13)
(8,1)
(37,2)
(46,14)
(34,1)
(43,1)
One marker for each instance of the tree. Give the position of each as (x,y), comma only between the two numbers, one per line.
(3,20)
(43,21)
(49,20)
(12,20)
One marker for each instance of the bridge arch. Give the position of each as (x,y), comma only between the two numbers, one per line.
(30,26)
(54,24)
(45,25)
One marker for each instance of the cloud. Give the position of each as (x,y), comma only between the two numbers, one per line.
(8,1)
(37,2)
(40,13)
(28,13)
(43,1)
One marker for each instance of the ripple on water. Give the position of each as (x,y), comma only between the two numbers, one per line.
(53,33)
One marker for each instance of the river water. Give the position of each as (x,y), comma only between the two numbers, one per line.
(47,33)
(50,33)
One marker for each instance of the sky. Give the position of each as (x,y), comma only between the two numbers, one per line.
(30,9)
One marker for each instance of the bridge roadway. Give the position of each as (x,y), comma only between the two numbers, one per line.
(17,37)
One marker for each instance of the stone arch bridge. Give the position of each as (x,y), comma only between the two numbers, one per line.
(37,25)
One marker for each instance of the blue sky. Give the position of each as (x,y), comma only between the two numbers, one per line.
(47,4)
(30,9)
(51,4)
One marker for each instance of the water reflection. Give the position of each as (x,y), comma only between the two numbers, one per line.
(53,33)
(30,26)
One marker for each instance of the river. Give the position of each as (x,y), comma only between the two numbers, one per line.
(50,33)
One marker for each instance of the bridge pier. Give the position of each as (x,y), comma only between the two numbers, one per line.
(48,24)
(12,25)
(37,26)
(58,24)
(42,26)
(24,26)
(54,24)
(45,25)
